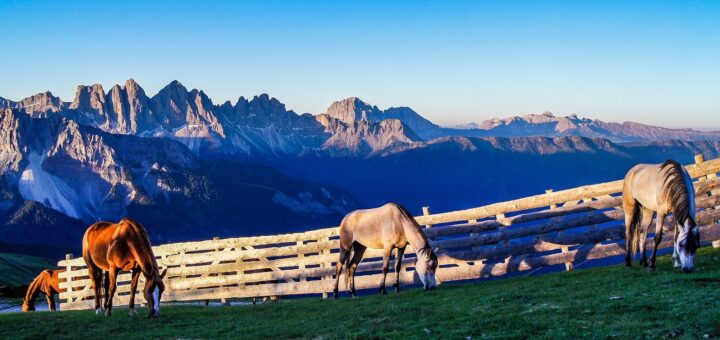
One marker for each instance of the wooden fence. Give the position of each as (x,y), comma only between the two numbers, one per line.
(564,227)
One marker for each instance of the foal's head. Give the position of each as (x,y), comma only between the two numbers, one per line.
(687,242)
(154,288)
(28,306)
(425,267)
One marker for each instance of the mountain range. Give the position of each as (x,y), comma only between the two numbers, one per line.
(192,169)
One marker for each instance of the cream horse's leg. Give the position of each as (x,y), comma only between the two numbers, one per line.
(338,269)
(645,223)
(398,267)
(385,268)
(358,251)
(658,238)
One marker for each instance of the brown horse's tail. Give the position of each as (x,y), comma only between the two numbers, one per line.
(634,233)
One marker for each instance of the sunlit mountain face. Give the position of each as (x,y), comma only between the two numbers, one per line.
(189,168)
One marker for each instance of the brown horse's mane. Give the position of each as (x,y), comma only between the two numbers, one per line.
(145,248)
(675,189)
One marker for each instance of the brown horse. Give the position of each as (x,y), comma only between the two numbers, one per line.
(47,283)
(660,188)
(125,246)
(388,227)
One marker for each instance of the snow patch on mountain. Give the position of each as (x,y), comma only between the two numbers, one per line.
(305,203)
(35,184)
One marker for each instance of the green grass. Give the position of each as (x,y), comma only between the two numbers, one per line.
(18,270)
(560,305)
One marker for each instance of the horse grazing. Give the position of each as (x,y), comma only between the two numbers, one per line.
(660,188)
(47,283)
(125,246)
(388,227)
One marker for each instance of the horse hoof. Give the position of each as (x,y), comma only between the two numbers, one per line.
(108,313)
(133,312)
(99,311)
(397,290)
(650,269)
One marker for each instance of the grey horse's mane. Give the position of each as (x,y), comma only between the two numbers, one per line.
(676,190)
(426,250)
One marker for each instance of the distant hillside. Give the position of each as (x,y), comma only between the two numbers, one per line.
(459,172)
(18,270)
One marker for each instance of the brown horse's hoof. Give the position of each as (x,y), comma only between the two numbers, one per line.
(133,312)
(397,290)
(99,311)
(650,269)
(108,312)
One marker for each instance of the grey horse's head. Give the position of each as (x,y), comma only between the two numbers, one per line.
(687,243)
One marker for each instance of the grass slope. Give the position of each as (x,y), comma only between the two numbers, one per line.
(19,270)
(583,303)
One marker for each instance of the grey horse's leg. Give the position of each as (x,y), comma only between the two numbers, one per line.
(645,223)
(658,238)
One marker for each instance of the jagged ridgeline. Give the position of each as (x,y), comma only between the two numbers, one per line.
(191,169)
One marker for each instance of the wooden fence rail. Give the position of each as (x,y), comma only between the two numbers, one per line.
(554,228)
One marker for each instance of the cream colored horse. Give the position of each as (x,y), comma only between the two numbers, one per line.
(388,227)
(662,189)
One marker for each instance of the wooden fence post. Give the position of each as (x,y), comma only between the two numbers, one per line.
(549,191)
(426,212)
(569,266)
(68,271)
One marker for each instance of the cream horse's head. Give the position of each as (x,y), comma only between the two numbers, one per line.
(425,267)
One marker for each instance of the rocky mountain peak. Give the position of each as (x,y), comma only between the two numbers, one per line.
(352,109)
(89,99)
(41,104)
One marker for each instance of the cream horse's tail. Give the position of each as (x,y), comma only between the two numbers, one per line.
(346,264)
(635,229)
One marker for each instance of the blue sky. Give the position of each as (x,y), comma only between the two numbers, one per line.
(654,62)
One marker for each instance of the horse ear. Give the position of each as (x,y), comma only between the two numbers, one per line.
(162,275)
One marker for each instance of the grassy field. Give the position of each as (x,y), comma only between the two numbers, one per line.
(599,303)
(18,270)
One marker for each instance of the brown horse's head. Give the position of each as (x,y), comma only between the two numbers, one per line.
(154,287)
(425,267)
(28,306)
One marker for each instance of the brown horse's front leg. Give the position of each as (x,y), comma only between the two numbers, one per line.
(96,282)
(133,287)
(50,301)
(112,285)
(385,268)
(398,267)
